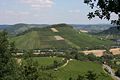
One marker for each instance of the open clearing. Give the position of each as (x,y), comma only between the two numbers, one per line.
(115,51)
(84,31)
(54,29)
(98,53)
(59,38)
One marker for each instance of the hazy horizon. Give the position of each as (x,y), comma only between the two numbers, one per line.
(58,23)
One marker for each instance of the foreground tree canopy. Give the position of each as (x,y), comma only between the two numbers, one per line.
(104,9)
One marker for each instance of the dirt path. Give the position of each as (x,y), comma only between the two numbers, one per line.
(18,60)
(65,64)
(110,71)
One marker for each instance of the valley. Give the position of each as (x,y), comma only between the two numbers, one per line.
(64,52)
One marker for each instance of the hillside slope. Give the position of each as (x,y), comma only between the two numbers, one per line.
(111,33)
(112,30)
(56,36)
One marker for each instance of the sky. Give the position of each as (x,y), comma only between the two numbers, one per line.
(46,12)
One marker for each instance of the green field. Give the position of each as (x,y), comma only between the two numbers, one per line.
(44,61)
(37,38)
(73,68)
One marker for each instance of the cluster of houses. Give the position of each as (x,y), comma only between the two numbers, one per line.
(98,53)
(42,52)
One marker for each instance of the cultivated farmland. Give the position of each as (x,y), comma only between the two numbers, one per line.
(67,37)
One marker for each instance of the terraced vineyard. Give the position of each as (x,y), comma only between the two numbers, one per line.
(81,39)
(65,37)
(42,38)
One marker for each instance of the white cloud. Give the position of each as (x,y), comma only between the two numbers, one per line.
(75,11)
(15,13)
(39,3)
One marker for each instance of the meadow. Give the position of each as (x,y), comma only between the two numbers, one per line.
(73,68)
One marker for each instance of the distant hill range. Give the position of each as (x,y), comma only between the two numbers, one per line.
(57,36)
(93,28)
(4,26)
(21,27)
(111,31)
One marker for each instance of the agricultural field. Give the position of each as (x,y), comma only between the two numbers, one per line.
(41,38)
(73,68)
(81,39)
(56,36)
(97,53)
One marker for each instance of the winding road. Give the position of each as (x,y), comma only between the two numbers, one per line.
(64,64)
(110,71)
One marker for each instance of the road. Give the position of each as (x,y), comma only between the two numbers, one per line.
(111,72)
(64,64)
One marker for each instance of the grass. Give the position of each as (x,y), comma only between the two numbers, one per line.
(44,61)
(73,69)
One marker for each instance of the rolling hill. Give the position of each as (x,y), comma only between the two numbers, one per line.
(112,30)
(56,36)
(92,28)
(111,33)
(4,26)
(19,28)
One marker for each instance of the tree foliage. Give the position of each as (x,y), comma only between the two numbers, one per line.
(91,75)
(104,9)
(8,67)
(117,73)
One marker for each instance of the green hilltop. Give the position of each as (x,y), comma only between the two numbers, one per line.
(36,38)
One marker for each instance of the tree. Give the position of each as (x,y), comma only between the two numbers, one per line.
(91,57)
(55,64)
(8,67)
(117,73)
(91,76)
(70,78)
(104,9)
(80,77)
(29,70)
(11,70)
